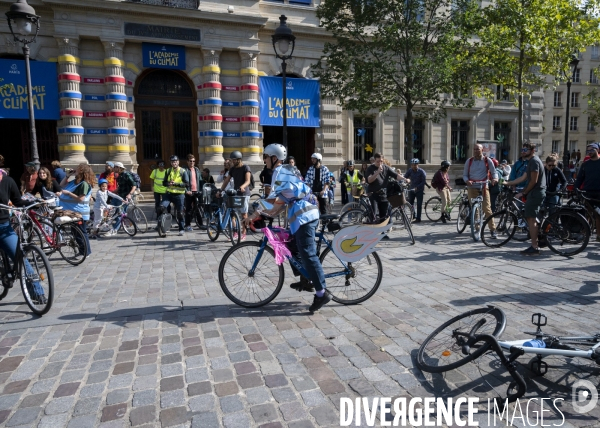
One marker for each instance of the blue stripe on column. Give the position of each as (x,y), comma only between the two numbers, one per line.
(253,134)
(213,133)
(118,131)
(250,103)
(213,101)
(70,94)
(117,97)
(71,130)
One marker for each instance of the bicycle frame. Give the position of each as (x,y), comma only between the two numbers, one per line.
(224,217)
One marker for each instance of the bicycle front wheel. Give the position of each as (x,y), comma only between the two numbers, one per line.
(476,221)
(356,286)
(139,217)
(567,233)
(37,281)
(244,286)
(71,244)
(462,218)
(505,228)
(212,226)
(234,233)
(129,226)
(433,208)
(444,349)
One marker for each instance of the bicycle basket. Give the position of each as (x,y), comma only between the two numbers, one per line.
(235,201)
(397,201)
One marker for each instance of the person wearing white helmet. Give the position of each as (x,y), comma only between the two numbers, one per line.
(317,178)
(273,155)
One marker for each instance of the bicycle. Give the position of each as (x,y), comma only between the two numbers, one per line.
(136,213)
(128,225)
(222,217)
(250,277)
(562,228)
(585,206)
(472,334)
(476,211)
(165,221)
(61,234)
(433,206)
(31,266)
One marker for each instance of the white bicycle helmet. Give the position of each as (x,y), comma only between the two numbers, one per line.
(414,161)
(277,150)
(318,156)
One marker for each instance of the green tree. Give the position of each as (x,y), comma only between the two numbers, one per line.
(388,53)
(525,45)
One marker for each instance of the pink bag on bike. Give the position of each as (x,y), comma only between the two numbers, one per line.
(277,241)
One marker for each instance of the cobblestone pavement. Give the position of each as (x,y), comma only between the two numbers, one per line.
(141,335)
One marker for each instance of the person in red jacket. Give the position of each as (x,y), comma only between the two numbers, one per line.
(441,183)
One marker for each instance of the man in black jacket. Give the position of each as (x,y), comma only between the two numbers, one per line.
(555,180)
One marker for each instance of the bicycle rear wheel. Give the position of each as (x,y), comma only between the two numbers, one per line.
(358,285)
(352,218)
(350,206)
(476,221)
(129,226)
(37,281)
(4,282)
(246,289)
(463,217)
(567,232)
(433,208)
(444,350)
(139,217)
(505,228)
(72,245)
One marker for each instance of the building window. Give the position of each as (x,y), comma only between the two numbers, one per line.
(577,76)
(502,94)
(558,99)
(417,146)
(502,135)
(555,146)
(590,125)
(573,145)
(573,123)
(459,140)
(593,77)
(364,133)
(556,123)
(595,52)
(575,99)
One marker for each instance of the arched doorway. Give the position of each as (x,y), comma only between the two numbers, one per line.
(165,120)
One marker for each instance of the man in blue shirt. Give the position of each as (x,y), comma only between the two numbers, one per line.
(417,177)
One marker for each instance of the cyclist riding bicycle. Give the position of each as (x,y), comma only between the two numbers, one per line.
(303,216)
(8,238)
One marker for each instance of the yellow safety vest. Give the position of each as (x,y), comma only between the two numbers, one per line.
(176,178)
(158,176)
(353,179)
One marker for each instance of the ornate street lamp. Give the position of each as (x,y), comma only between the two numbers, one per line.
(574,62)
(21,21)
(282,39)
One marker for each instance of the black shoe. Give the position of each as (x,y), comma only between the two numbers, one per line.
(40,300)
(444,218)
(319,302)
(302,285)
(417,221)
(493,235)
(202,227)
(531,252)
(448,217)
(385,237)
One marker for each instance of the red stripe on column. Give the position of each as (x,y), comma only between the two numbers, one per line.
(115,79)
(250,87)
(250,119)
(216,117)
(215,85)
(117,113)
(69,76)
(72,112)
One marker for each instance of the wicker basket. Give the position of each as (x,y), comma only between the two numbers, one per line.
(397,200)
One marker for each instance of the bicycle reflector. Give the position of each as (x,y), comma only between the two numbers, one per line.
(446,353)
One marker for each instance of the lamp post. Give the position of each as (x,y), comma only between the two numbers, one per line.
(574,62)
(282,39)
(22,17)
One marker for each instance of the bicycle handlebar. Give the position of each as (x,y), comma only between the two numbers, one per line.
(25,208)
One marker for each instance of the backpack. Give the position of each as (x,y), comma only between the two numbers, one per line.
(137,179)
(435,182)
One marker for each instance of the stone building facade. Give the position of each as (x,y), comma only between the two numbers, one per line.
(113,106)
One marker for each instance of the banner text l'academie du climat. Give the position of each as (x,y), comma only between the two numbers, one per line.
(303,99)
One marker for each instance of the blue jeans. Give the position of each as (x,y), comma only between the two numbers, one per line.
(307,249)
(177,200)
(8,243)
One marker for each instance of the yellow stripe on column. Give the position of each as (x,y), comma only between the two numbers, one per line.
(250,149)
(249,70)
(230,72)
(211,68)
(72,148)
(68,58)
(213,149)
(114,61)
(118,148)
(97,148)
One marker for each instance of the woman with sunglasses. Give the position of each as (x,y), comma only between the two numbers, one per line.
(555,180)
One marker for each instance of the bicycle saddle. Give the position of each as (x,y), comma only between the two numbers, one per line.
(329,217)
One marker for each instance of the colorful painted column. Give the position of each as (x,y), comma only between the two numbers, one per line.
(70,131)
(251,137)
(212,134)
(116,98)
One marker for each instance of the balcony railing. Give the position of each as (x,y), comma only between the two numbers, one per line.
(181,4)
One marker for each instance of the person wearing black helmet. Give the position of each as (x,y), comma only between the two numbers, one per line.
(242,176)
(352,181)
(441,183)
(177,182)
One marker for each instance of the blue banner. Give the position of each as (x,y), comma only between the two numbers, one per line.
(44,82)
(163,56)
(303,99)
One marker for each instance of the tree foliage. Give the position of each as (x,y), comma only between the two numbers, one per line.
(398,53)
